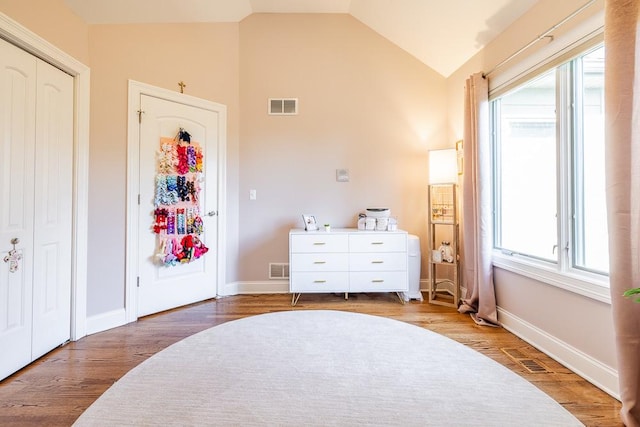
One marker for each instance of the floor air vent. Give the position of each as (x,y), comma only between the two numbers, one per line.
(531,365)
(278,270)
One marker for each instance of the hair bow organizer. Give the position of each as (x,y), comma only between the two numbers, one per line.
(177,220)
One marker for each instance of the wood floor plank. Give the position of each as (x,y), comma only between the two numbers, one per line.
(57,388)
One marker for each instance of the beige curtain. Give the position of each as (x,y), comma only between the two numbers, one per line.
(622,154)
(476,219)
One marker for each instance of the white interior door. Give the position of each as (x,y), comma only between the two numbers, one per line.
(53,209)
(36,155)
(164,287)
(17,147)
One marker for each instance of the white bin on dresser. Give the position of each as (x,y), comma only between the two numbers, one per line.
(348,260)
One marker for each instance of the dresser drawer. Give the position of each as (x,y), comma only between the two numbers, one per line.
(384,281)
(383,261)
(319,262)
(319,282)
(378,242)
(312,243)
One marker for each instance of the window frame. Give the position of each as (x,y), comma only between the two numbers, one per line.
(560,273)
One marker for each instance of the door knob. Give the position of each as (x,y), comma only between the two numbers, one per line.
(13,256)
(212,213)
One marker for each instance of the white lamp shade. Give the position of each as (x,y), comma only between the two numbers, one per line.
(443,166)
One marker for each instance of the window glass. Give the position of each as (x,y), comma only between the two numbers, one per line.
(590,229)
(527,169)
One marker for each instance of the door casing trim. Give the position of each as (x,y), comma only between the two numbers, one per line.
(136,89)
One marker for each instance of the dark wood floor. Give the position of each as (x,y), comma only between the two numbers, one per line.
(56,389)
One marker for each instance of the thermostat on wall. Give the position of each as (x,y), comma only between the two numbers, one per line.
(342,175)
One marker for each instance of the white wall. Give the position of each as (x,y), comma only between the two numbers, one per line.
(365,105)
(205,57)
(575,329)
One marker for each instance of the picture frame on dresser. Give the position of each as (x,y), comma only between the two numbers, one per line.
(310,223)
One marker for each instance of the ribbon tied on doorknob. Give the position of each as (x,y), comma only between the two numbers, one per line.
(13,256)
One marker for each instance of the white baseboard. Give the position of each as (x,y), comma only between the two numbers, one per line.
(115,318)
(104,321)
(254,287)
(592,370)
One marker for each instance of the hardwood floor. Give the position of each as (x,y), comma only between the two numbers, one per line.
(57,388)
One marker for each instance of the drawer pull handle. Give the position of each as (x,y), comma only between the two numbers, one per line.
(320,262)
(377,280)
(377,243)
(319,243)
(377,262)
(319,281)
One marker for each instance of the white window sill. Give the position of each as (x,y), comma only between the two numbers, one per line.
(589,285)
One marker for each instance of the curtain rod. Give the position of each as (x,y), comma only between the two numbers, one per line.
(537,39)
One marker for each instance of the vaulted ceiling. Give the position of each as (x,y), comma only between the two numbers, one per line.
(443,34)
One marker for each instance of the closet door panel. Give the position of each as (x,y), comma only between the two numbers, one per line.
(53,209)
(17,140)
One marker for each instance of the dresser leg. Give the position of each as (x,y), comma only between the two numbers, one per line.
(295,298)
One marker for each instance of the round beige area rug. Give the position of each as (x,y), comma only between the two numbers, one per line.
(317,368)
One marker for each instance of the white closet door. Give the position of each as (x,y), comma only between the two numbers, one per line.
(36,154)
(53,209)
(17,142)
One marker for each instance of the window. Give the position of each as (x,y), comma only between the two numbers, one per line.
(526,188)
(590,229)
(548,152)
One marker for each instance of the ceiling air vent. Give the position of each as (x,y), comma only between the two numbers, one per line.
(283,106)
(278,270)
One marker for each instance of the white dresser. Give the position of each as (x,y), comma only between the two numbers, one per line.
(347,260)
